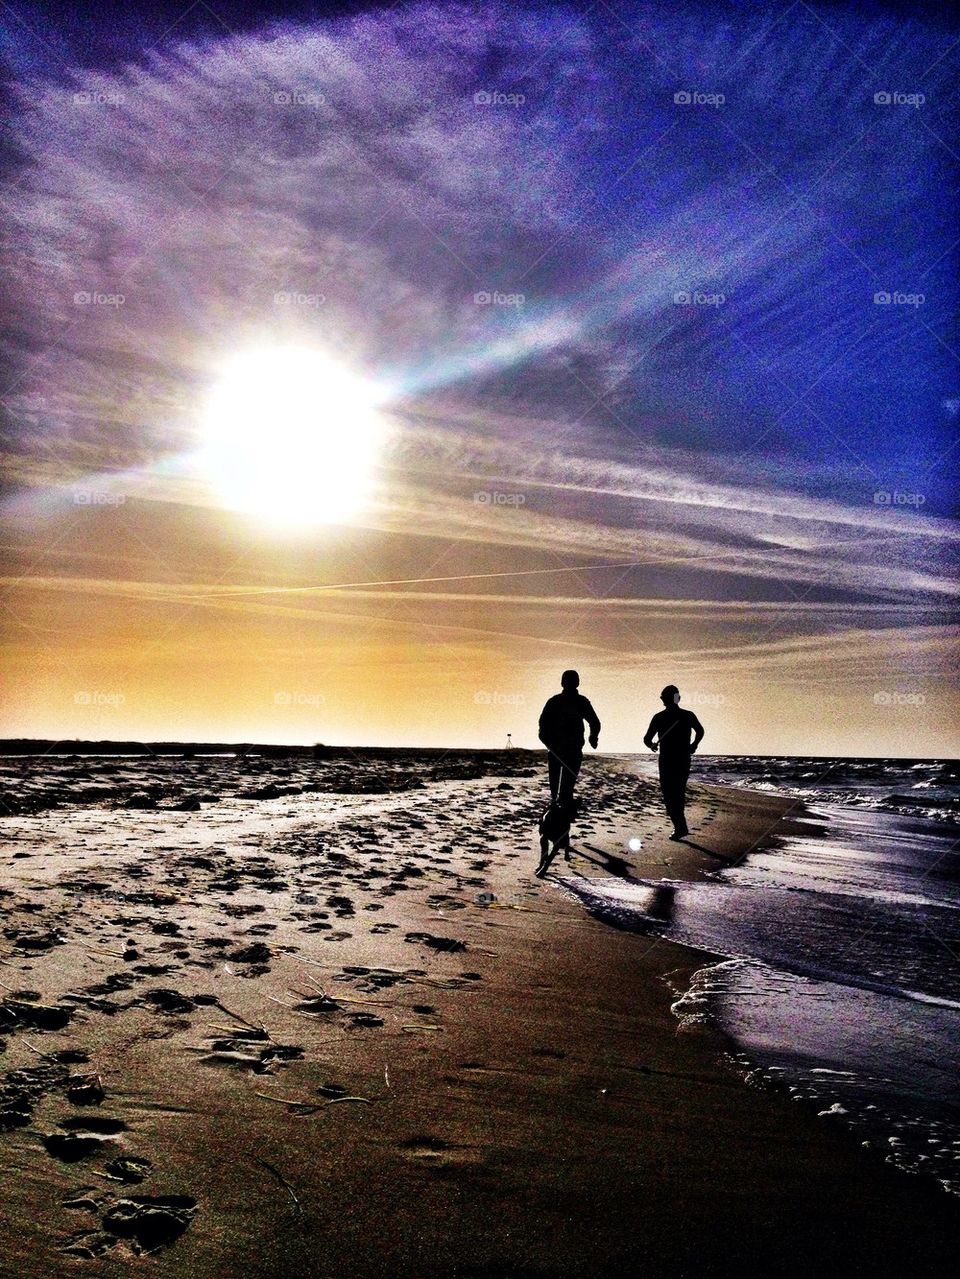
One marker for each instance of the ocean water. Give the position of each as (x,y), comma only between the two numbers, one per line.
(840,972)
(911,787)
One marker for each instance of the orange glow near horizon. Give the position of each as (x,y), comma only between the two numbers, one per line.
(228,639)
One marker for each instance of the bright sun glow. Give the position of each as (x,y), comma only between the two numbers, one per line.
(292,437)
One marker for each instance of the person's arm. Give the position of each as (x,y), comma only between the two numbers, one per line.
(590,715)
(649,735)
(543,728)
(697,733)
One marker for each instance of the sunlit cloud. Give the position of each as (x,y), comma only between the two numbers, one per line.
(642,399)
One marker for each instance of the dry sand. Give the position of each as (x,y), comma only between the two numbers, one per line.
(351,1035)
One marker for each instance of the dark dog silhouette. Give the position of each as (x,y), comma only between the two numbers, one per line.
(554,830)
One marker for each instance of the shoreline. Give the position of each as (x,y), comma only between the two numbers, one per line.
(531,1109)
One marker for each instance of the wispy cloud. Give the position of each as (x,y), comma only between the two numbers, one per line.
(634,364)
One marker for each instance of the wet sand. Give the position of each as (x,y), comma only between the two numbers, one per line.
(328,1033)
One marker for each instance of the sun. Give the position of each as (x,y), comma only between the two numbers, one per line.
(291,437)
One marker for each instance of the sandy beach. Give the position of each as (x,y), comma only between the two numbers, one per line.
(316,1032)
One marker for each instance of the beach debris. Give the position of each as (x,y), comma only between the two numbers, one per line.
(261,1029)
(282,1179)
(83,1201)
(306,1105)
(101,950)
(128,1168)
(302,1105)
(319,1003)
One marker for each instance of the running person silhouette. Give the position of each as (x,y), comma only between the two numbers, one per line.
(672,728)
(561,731)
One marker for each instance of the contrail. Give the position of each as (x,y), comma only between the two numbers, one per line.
(457,577)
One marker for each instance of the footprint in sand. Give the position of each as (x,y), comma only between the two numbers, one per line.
(82,1136)
(426,1148)
(249,1050)
(85,1090)
(436,943)
(169,1002)
(146,1223)
(441,1156)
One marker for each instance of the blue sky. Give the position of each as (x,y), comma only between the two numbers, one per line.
(681,283)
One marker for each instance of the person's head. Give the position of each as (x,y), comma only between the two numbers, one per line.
(569,680)
(670,695)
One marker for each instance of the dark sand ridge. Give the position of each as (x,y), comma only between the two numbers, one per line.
(532,1110)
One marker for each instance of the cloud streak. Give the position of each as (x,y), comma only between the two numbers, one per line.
(633,362)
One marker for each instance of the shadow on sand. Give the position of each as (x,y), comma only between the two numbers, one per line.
(702,848)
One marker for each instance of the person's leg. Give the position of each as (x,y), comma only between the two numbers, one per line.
(683,772)
(675,794)
(572,759)
(554,771)
(673,780)
(665,778)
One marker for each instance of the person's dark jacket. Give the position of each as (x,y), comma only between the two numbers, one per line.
(561,720)
(672,727)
